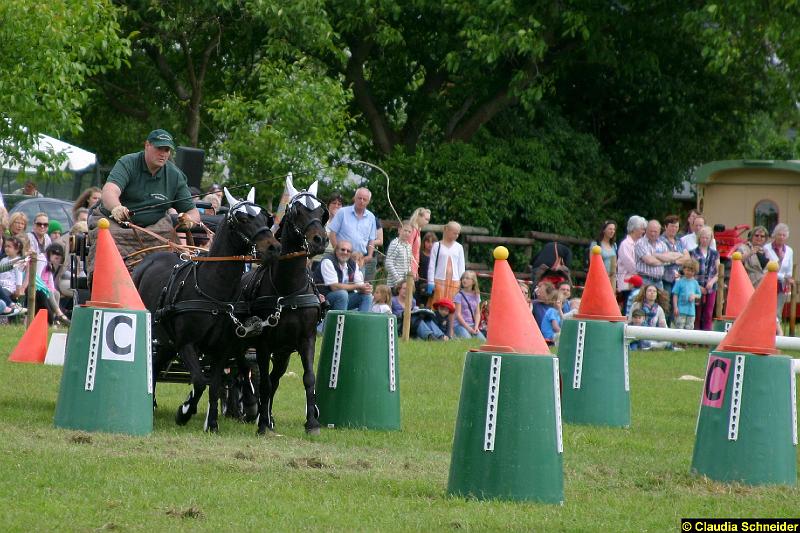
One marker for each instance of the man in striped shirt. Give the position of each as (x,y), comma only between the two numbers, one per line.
(652,254)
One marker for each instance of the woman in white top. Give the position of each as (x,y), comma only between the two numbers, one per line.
(779,251)
(447,264)
(40,240)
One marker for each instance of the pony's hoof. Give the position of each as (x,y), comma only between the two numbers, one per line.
(213,428)
(266,432)
(184,414)
(313,431)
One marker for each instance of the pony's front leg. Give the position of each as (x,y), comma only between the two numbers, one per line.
(309,382)
(280,362)
(189,407)
(265,420)
(211,424)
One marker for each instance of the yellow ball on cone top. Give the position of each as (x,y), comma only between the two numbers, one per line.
(501,252)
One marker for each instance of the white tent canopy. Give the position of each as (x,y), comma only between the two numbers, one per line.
(77,158)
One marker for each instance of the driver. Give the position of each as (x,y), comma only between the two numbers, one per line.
(143,188)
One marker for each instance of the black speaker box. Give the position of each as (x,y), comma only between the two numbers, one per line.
(190,161)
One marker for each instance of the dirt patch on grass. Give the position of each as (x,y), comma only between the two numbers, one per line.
(80,438)
(306,462)
(188,512)
(245,456)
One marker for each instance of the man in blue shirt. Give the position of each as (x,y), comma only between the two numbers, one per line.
(356,224)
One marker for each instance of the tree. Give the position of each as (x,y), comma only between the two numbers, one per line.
(436,70)
(48,52)
(297,121)
(183,52)
(635,77)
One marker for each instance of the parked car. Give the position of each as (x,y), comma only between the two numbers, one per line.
(56,209)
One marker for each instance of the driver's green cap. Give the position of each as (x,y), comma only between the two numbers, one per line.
(160,138)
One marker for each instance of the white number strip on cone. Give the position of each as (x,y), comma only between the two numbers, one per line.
(736,399)
(625,365)
(337,351)
(94,349)
(492,395)
(149,354)
(576,377)
(557,402)
(392,384)
(794,404)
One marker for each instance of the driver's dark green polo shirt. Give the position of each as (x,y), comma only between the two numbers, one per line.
(141,191)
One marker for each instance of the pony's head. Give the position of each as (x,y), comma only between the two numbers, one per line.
(305,219)
(252,224)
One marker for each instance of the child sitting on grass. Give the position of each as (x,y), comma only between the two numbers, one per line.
(12,276)
(652,302)
(636,318)
(382,299)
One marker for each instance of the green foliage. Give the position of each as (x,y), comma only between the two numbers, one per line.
(512,179)
(48,53)
(297,121)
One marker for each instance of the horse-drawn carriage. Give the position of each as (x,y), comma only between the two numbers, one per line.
(207,312)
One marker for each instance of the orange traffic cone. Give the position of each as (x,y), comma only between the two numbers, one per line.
(111,281)
(598,301)
(740,289)
(32,347)
(754,329)
(512,327)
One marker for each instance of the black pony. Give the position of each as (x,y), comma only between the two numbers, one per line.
(284,296)
(191,301)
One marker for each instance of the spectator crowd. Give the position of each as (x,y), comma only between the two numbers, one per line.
(663,275)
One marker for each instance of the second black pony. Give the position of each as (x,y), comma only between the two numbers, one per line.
(282,294)
(192,301)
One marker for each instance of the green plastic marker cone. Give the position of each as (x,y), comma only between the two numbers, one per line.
(106,384)
(594,370)
(747,425)
(507,442)
(357,379)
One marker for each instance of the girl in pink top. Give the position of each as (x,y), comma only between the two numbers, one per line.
(419,219)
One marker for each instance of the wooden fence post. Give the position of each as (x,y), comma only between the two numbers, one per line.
(793,304)
(31,292)
(721,288)
(407,304)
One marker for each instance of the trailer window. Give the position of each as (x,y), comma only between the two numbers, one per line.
(766,214)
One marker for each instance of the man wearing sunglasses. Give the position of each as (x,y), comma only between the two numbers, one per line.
(342,282)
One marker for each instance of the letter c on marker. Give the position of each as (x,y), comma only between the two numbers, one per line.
(722,365)
(112,327)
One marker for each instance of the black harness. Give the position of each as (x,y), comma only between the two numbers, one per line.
(168,303)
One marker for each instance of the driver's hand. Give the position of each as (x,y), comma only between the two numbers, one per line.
(120,213)
(185,222)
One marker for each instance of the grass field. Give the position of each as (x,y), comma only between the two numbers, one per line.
(180,479)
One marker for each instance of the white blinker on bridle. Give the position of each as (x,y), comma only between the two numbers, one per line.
(310,202)
(246,206)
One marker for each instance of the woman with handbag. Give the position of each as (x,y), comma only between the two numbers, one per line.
(447,264)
